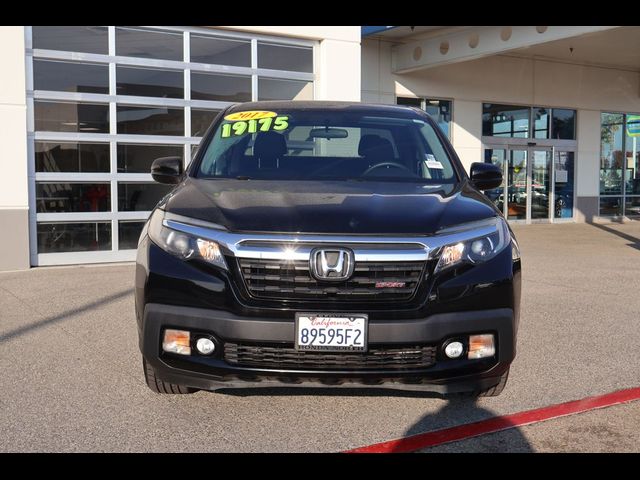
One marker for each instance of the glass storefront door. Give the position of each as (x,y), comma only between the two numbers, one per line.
(563,168)
(538,182)
(498,157)
(516,176)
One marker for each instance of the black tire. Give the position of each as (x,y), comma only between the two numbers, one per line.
(158,386)
(489,392)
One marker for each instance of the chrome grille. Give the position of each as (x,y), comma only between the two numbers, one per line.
(281,279)
(286,357)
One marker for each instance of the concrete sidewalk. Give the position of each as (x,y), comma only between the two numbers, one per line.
(72,376)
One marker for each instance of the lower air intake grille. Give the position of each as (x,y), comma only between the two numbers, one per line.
(286,357)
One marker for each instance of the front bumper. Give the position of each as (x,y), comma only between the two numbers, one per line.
(213,373)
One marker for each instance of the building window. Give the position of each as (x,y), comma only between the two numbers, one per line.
(563,124)
(505,121)
(439,110)
(541,122)
(107,101)
(619,165)
(71,39)
(70,76)
(514,121)
(73,157)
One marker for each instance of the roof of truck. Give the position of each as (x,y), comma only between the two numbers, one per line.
(318,104)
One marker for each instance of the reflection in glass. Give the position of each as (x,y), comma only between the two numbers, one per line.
(129,233)
(132,42)
(611,154)
(73,237)
(72,197)
(285,57)
(410,101)
(222,88)
(632,155)
(278,89)
(440,110)
(610,206)
(496,156)
(220,51)
(200,121)
(632,206)
(540,122)
(72,157)
(70,76)
(149,82)
(137,158)
(517,185)
(505,120)
(150,120)
(140,196)
(563,124)
(71,38)
(71,117)
(540,183)
(564,184)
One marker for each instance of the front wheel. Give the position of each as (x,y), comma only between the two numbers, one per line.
(497,390)
(158,386)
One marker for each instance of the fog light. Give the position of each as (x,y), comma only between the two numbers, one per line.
(177,341)
(453,349)
(481,346)
(205,346)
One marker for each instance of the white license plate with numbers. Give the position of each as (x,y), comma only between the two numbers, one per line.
(331,332)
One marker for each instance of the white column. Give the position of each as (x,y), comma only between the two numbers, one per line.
(14,185)
(467,131)
(588,165)
(338,72)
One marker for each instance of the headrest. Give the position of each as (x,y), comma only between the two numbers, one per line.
(269,145)
(374,145)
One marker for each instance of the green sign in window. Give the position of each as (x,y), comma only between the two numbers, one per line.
(633,125)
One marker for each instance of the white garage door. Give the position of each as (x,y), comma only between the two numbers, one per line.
(104,102)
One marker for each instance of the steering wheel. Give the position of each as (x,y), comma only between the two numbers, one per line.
(387,164)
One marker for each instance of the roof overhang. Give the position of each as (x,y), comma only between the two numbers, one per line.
(471,43)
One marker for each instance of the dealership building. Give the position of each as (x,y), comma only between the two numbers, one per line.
(85,110)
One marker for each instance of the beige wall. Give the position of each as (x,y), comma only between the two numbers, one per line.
(337,57)
(13,119)
(338,72)
(506,79)
(467,122)
(14,193)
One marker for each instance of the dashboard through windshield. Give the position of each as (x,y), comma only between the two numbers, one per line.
(326,145)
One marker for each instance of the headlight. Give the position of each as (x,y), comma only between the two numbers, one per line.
(476,249)
(183,245)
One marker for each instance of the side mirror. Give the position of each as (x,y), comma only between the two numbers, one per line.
(485,176)
(167,170)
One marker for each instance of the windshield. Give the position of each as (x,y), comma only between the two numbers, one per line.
(326,145)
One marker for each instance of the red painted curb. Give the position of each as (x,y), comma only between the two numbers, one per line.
(496,424)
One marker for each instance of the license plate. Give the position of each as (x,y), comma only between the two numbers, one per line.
(331,332)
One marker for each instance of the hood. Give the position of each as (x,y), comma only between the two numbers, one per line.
(335,207)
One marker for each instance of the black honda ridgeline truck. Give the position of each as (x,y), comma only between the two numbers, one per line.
(327,244)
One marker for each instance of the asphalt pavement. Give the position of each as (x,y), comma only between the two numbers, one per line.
(72,375)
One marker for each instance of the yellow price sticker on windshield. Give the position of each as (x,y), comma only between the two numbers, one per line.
(253,125)
(249,115)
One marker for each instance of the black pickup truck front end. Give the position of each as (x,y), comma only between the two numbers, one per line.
(429,326)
